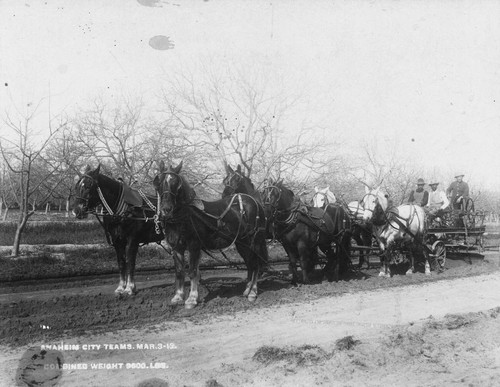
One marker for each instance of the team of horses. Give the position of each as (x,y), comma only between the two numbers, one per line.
(246,218)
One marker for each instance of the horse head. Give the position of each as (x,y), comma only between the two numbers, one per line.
(277,196)
(323,197)
(374,204)
(172,189)
(86,195)
(356,209)
(236,182)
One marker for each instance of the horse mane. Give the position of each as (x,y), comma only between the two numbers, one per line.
(188,192)
(288,191)
(98,175)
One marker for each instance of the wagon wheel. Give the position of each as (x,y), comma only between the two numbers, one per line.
(438,256)
(468,211)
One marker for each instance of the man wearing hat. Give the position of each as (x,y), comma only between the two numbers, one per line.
(457,191)
(438,201)
(419,196)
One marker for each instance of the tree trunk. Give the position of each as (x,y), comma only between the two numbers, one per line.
(5,213)
(47,206)
(1,206)
(17,237)
(67,207)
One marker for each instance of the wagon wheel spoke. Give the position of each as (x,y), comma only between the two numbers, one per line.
(438,260)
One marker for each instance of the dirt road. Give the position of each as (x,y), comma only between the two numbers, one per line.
(219,348)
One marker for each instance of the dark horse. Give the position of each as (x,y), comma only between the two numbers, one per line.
(361,233)
(301,229)
(128,222)
(237,182)
(215,225)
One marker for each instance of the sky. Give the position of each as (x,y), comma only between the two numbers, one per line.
(424,75)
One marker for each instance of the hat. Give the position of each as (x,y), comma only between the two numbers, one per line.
(458,175)
(433,183)
(420,181)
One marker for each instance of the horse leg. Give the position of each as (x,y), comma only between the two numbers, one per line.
(180,275)
(422,251)
(385,259)
(427,264)
(356,235)
(131,254)
(304,256)
(386,265)
(344,253)
(292,253)
(252,261)
(335,255)
(194,276)
(366,241)
(411,269)
(120,256)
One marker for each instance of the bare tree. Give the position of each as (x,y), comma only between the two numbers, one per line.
(237,115)
(129,144)
(22,149)
(388,167)
(112,136)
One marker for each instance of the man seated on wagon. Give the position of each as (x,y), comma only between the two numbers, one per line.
(458,191)
(419,196)
(438,202)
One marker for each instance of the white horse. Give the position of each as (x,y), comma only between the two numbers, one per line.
(404,225)
(323,197)
(356,209)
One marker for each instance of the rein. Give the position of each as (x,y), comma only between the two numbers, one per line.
(120,206)
(218,218)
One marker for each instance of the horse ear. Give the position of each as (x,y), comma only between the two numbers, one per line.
(162,166)
(316,189)
(228,168)
(367,190)
(97,170)
(238,168)
(178,168)
(328,188)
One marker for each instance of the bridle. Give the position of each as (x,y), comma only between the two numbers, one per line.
(267,196)
(326,201)
(173,194)
(227,181)
(78,186)
(377,201)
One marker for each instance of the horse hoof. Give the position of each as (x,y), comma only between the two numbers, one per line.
(252,297)
(427,272)
(409,272)
(176,300)
(190,305)
(119,291)
(381,274)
